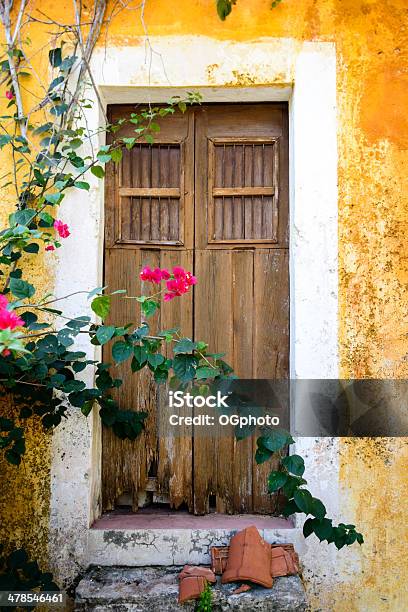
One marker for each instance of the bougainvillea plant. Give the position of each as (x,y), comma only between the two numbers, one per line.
(41,370)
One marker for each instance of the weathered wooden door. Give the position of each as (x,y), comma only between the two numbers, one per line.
(211,194)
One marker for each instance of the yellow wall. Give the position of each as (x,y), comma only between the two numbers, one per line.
(372,85)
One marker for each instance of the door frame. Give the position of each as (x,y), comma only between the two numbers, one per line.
(306,78)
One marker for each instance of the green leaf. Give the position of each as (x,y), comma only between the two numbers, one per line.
(21,289)
(41,129)
(360,538)
(323,528)
(75,143)
(55,57)
(54,83)
(304,500)
(184,367)
(48,344)
(22,217)
(140,354)
(32,247)
(96,291)
(276,440)
(290,508)
(308,527)
(292,483)
(207,372)
(121,351)
(155,359)
(68,62)
(105,333)
(46,219)
(116,155)
(12,457)
(149,308)
(87,407)
(17,559)
(101,305)
(294,464)
(262,455)
(318,508)
(129,142)
(276,480)
(223,8)
(98,171)
(185,345)
(82,185)
(53,198)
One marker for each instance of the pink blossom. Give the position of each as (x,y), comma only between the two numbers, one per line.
(9,320)
(190,279)
(178,272)
(6,352)
(178,281)
(50,247)
(62,228)
(152,276)
(9,95)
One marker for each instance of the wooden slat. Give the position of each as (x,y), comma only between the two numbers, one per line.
(146,192)
(174,459)
(243,191)
(213,456)
(125,464)
(270,344)
(242,359)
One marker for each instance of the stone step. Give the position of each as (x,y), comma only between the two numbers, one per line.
(155,589)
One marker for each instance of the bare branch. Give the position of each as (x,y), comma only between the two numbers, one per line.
(5,8)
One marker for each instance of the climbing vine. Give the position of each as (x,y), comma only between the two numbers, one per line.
(41,370)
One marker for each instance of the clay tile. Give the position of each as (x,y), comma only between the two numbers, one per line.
(284,561)
(219,556)
(249,559)
(242,589)
(191,587)
(195,570)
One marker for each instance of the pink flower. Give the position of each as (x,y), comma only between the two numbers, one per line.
(50,247)
(190,279)
(10,320)
(6,352)
(178,281)
(178,272)
(154,276)
(3,301)
(62,228)
(9,95)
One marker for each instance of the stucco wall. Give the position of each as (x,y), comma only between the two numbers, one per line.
(371,51)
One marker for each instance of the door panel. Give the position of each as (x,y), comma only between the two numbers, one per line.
(211,195)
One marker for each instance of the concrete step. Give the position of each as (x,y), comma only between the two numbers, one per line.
(175,538)
(155,589)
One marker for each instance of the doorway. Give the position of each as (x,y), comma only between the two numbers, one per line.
(211,195)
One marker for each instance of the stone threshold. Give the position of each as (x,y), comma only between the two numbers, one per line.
(155,589)
(174,538)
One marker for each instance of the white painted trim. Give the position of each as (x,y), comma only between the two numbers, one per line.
(267,69)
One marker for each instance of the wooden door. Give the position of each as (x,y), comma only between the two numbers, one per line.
(211,194)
